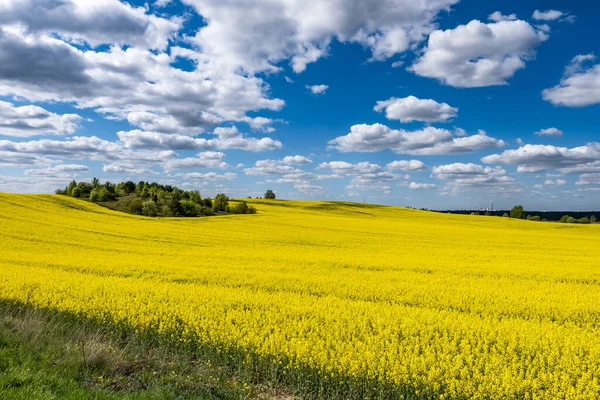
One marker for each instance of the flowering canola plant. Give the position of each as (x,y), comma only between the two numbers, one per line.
(376,299)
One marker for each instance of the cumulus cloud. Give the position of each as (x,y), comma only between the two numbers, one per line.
(554,182)
(549,132)
(302,30)
(406,166)
(463,177)
(427,141)
(411,109)
(317,89)
(589,179)
(580,85)
(365,176)
(536,158)
(227,138)
(478,54)
(206,159)
(296,160)
(497,16)
(92,21)
(549,15)
(421,186)
(32,120)
(209,176)
(58,170)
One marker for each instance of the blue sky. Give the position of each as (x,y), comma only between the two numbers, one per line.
(440,104)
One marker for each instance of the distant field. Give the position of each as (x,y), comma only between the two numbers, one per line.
(328,299)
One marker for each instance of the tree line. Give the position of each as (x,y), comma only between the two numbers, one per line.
(153,199)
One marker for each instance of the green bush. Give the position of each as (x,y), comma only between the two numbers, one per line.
(536,218)
(188,208)
(583,220)
(135,206)
(220,202)
(149,208)
(564,219)
(571,220)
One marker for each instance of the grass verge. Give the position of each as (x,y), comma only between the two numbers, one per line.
(45,354)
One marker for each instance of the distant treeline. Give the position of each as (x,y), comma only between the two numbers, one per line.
(553,216)
(153,199)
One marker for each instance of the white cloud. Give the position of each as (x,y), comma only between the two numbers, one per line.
(497,16)
(427,141)
(296,160)
(317,89)
(579,86)
(227,138)
(406,166)
(209,176)
(92,21)
(549,15)
(64,170)
(478,54)
(301,30)
(365,176)
(411,109)
(463,177)
(549,132)
(397,64)
(207,159)
(554,182)
(589,179)
(536,158)
(32,120)
(421,186)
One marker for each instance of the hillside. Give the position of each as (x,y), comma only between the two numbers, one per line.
(327,299)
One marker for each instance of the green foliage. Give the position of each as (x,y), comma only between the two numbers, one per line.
(136,206)
(188,208)
(517,212)
(149,208)
(593,219)
(270,194)
(153,199)
(220,202)
(583,220)
(571,220)
(564,219)
(505,215)
(535,218)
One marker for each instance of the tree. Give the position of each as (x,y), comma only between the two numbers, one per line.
(270,194)
(505,215)
(129,187)
(583,220)
(593,219)
(536,218)
(571,220)
(175,204)
(517,212)
(95,182)
(194,195)
(220,202)
(564,219)
(149,208)
(188,208)
(240,208)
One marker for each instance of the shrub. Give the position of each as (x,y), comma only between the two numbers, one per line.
(583,220)
(564,219)
(593,219)
(240,208)
(101,194)
(135,206)
(505,215)
(536,218)
(517,212)
(204,211)
(220,202)
(149,208)
(571,220)
(188,208)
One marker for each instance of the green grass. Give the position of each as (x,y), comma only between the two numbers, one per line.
(49,355)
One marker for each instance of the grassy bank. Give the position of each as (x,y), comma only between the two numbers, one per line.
(46,354)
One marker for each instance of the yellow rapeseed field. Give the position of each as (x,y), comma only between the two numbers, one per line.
(365,300)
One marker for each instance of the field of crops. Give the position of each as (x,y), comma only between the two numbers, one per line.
(329,299)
